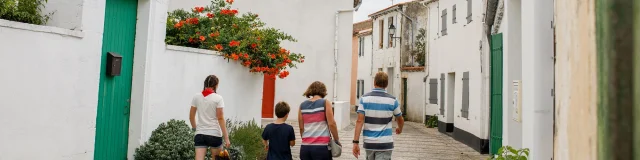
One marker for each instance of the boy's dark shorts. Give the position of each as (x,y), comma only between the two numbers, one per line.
(206,141)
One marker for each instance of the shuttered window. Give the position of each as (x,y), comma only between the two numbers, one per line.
(381,37)
(361,87)
(465,95)
(433,91)
(444,23)
(442,94)
(469,11)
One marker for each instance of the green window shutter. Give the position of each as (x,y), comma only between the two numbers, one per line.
(444,22)
(465,95)
(469,11)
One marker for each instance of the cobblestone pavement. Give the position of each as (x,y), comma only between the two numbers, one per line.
(416,142)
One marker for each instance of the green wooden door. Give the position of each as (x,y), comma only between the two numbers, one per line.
(496,93)
(404,96)
(112,124)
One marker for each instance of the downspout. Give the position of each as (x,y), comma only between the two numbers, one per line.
(335,54)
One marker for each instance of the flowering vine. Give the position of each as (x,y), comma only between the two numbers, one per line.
(240,38)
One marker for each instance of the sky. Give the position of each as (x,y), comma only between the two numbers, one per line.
(370,6)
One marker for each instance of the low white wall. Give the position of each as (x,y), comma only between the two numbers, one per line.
(49,88)
(178,74)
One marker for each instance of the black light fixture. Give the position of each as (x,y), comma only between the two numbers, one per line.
(392,31)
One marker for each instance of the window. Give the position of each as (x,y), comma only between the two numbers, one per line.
(390,39)
(465,95)
(433,91)
(453,15)
(469,6)
(381,37)
(444,23)
(360,88)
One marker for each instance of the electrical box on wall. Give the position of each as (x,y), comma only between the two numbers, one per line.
(516,102)
(114,64)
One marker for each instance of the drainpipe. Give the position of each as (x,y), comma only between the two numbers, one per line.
(335,54)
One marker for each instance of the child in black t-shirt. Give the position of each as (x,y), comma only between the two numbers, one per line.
(278,137)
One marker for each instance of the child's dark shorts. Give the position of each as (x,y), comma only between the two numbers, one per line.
(206,141)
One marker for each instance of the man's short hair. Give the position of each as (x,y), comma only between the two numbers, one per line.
(282,109)
(381,80)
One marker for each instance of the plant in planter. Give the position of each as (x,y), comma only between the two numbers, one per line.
(509,153)
(26,11)
(240,38)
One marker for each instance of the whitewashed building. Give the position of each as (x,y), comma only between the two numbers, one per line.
(393,45)
(457,70)
(363,51)
(522,59)
(54,80)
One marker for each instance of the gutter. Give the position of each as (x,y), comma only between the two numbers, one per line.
(335,54)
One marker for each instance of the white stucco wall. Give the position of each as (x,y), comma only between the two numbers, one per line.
(365,71)
(65,14)
(49,88)
(511,28)
(537,84)
(178,74)
(312,23)
(387,57)
(457,52)
(415,96)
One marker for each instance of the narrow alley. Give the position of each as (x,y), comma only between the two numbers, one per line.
(416,142)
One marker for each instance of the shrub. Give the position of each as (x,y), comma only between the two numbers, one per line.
(26,11)
(248,137)
(243,39)
(432,121)
(170,141)
(509,153)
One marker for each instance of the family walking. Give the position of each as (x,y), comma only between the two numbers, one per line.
(320,139)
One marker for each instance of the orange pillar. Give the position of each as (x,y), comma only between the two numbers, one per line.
(268,96)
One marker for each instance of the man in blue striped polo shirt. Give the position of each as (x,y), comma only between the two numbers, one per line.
(376,110)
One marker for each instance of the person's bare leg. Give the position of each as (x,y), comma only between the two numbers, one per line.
(200,153)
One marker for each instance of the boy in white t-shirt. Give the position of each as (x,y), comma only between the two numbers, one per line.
(211,123)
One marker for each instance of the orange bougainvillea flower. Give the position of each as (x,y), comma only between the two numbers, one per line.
(179,24)
(229,12)
(230,1)
(254,45)
(301,60)
(210,15)
(214,34)
(192,20)
(247,63)
(234,43)
(258,38)
(198,9)
(235,25)
(202,38)
(191,40)
(234,56)
(219,47)
(246,56)
(273,56)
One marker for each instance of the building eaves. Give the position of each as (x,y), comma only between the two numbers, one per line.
(388,9)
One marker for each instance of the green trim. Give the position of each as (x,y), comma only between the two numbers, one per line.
(614,31)
(636,73)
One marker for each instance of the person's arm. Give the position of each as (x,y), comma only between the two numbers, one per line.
(359,125)
(300,122)
(399,118)
(222,122)
(292,137)
(266,145)
(331,121)
(192,117)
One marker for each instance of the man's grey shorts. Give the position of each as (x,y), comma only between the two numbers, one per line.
(378,155)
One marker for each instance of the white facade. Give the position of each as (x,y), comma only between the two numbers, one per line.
(365,64)
(452,54)
(386,57)
(313,24)
(51,73)
(528,48)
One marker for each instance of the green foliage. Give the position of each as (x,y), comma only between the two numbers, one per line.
(420,47)
(26,11)
(242,38)
(248,136)
(509,153)
(174,141)
(432,121)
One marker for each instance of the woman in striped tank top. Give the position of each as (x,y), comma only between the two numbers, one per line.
(316,122)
